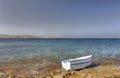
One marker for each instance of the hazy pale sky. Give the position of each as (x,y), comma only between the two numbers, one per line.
(61,18)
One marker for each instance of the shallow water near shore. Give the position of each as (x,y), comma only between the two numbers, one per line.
(11,49)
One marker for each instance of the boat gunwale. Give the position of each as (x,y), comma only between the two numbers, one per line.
(79,59)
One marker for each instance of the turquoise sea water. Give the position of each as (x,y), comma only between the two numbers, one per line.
(58,48)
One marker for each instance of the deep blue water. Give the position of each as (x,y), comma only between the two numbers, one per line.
(58,48)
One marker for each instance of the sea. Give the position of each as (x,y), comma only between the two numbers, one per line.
(58,48)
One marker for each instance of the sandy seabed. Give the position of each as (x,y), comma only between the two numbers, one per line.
(51,68)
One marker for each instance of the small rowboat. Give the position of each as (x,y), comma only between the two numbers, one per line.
(77,63)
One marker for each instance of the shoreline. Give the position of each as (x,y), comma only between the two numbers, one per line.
(46,67)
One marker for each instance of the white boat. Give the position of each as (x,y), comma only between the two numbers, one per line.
(77,63)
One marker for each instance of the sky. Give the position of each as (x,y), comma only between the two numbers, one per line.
(61,18)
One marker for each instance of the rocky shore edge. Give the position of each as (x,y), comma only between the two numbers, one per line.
(50,68)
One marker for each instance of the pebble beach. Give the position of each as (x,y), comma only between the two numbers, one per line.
(49,68)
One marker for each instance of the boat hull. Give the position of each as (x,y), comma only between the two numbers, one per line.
(77,63)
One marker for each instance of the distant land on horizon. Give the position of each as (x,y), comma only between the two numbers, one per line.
(18,36)
(33,36)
